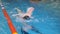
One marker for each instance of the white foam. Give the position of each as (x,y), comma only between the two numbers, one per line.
(3,8)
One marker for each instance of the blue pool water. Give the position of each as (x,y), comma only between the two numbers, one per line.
(46,16)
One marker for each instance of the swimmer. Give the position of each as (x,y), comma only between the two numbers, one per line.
(25,16)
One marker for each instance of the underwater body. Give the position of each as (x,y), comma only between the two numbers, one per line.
(46,16)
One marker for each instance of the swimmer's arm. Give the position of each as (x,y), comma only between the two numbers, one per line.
(19,11)
(30,10)
(15,15)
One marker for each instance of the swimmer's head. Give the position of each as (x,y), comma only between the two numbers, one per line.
(26,17)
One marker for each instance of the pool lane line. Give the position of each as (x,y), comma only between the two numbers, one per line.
(11,26)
